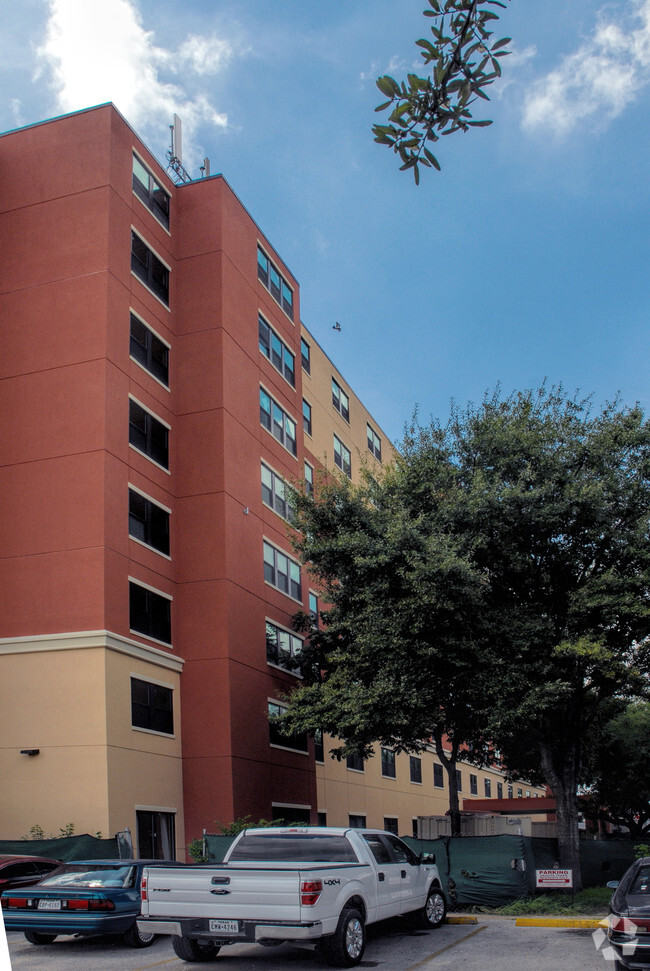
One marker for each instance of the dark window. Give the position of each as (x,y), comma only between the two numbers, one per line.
(296,740)
(148,434)
(342,457)
(416,768)
(340,400)
(282,647)
(274,282)
(276,351)
(459,780)
(150,191)
(438,779)
(275,493)
(278,422)
(148,268)
(402,852)
(499,790)
(319,755)
(150,613)
(473,784)
(510,792)
(152,706)
(305,355)
(374,442)
(356,821)
(306,416)
(378,848)
(355,761)
(488,787)
(388,763)
(156,835)
(148,522)
(282,572)
(149,351)
(299,847)
(391,825)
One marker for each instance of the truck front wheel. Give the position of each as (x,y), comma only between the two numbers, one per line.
(345,947)
(433,913)
(194,949)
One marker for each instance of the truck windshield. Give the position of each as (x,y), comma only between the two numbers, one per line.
(298,847)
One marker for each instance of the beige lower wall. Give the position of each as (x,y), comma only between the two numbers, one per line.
(70,698)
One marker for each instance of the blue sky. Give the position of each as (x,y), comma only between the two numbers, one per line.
(525,259)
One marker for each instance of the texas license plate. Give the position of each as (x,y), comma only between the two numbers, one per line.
(49,905)
(224,926)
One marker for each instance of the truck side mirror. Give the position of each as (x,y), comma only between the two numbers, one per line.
(427,857)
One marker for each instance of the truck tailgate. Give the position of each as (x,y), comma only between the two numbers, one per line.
(241,892)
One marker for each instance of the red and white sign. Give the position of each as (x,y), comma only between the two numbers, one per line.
(554,879)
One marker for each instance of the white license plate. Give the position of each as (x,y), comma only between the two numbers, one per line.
(224,926)
(49,905)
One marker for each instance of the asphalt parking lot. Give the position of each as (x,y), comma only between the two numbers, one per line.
(490,944)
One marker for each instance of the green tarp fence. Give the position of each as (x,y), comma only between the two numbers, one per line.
(493,870)
(216,847)
(66,848)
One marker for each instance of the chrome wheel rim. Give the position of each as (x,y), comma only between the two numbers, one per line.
(435,908)
(354,938)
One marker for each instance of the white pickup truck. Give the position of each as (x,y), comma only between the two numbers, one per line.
(317,885)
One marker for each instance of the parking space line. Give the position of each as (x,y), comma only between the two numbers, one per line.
(448,947)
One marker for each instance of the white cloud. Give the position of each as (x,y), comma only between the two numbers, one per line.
(98,50)
(599,80)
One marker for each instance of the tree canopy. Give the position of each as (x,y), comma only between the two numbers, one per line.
(493,584)
(463,61)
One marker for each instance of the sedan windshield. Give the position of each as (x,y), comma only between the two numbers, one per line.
(83,875)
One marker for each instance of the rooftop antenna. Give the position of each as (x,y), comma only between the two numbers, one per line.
(175,154)
(205,168)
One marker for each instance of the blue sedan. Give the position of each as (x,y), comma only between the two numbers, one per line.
(82,898)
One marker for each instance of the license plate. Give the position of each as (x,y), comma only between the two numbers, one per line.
(49,905)
(224,926)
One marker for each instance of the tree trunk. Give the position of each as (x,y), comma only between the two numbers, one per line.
(563,780)
(449,761)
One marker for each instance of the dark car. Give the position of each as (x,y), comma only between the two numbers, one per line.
(87,897)
(24,871)
(629,917)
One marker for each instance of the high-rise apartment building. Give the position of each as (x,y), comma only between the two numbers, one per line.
(159,398)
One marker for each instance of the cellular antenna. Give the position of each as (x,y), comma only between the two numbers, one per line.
(175,154)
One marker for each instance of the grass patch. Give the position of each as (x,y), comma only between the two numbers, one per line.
(592,902)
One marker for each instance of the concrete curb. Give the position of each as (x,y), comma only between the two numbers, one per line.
(461,920)
(589,922)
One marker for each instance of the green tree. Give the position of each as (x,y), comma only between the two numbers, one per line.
(494,584)
(462,60)
(621,786)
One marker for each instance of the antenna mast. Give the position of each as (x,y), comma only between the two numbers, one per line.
(175,153)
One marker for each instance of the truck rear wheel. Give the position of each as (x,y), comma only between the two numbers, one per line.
(344,948)
(194,949)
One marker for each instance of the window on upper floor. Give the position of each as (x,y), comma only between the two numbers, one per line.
(274,282)
(274,348)
(391,825)
(149,350)
(297,740)
(309,479)
(342,457)
(355,761)
(306,416)
(415,765)
(473,784)
(374,442)
(499,790)
(282,647)
(388,763)
(282,572)
(148,434)
(149,268)
(152,706)
(275,493)
(277,422)
(319,756)
(488,788)
(438,778)
(149,613)
(305,355)
(148,522)
(459,780)
(150,191)
(313,608)
(340,400)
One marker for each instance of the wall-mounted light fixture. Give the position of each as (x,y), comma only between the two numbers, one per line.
(30,751)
